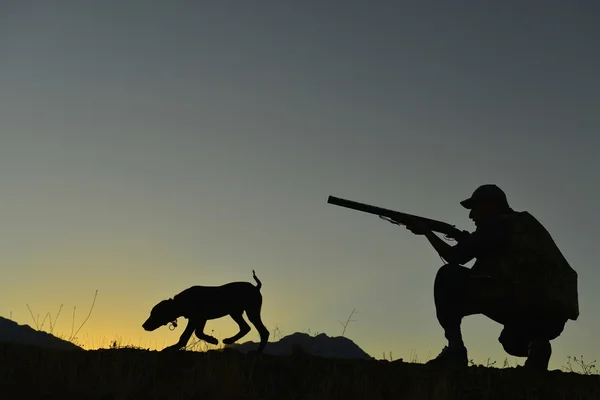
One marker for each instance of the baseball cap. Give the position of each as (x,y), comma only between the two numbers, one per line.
(486,193)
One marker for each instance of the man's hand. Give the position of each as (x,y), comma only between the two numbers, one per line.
(417,226)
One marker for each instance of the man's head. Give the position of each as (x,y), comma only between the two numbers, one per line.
(486,202)
(162,313)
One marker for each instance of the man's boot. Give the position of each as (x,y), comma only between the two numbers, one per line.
(451,356)
(538,355)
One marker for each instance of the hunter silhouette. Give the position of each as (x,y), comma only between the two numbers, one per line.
(520,279)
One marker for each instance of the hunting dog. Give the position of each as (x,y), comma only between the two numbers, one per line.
(201,303)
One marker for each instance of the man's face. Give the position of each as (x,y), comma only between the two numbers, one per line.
(480,213)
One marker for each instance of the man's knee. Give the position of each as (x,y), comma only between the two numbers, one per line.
(451,275)
(514,342)
(515,338)
(450,290)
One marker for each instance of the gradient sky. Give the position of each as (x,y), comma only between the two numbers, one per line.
(147,147)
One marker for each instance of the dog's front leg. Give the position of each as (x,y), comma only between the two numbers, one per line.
(203,336)
(184,338)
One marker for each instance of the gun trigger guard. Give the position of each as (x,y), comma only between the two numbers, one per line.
(390,220)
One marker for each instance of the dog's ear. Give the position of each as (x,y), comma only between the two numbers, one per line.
(170,303)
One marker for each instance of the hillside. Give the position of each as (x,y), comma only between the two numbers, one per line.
(12,332)
(31,372)
(320,345)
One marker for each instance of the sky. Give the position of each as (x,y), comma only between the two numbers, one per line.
(149,146)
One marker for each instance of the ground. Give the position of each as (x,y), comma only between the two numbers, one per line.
(31,372)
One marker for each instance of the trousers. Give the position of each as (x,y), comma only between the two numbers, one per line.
(458,292)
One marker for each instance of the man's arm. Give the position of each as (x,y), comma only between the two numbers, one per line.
(458,254)
(462,253)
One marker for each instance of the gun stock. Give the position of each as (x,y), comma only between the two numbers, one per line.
(398,217)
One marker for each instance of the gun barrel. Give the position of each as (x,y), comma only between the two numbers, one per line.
(397,216)
(355,205)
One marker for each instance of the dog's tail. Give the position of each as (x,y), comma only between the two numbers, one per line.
(258,282)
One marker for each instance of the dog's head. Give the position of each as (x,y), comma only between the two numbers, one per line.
(163,313)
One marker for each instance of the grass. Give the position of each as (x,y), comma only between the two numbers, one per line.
(125,371)
(73,336)
(573,364)
(131,373)
(580,366)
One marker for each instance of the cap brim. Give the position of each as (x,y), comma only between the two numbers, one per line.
(468,203)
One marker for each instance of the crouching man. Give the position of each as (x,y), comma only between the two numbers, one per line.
(520,279)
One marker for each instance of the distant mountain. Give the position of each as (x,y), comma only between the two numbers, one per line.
(320,345)
(11,332)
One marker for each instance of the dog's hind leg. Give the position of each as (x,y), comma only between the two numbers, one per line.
(244,328)
(203,336)
(254,317)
